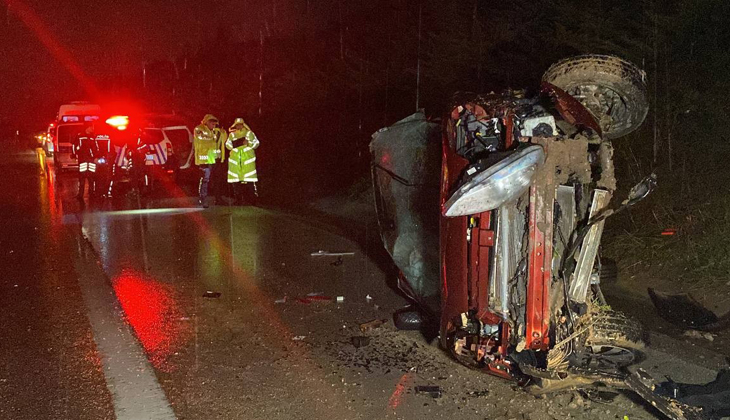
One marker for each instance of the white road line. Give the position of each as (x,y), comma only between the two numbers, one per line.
(131,380)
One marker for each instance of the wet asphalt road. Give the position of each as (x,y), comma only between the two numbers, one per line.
(154,308)
(50,368)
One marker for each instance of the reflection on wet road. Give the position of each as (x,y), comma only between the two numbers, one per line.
(49,364)
(162,256)
(150,307)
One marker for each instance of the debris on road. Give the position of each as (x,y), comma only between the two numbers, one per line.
(299,338)
(697,334)
(212,295)
(313,299)
(322,253)
(479,394)
(282,300)
(371,325)
(598,396)
(433,391)
(712,398)
(684,310)
(340,299)
(359,341)
(368,298)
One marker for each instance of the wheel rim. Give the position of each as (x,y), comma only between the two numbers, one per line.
(610,356)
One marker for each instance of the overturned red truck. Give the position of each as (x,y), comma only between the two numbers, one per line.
(494,218)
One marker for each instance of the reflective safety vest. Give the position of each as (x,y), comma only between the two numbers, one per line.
(84,147)
(88,149)
(242,159)
(208,145)
(122,159)
(87,167)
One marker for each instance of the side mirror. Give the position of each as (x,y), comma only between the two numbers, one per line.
(641,190)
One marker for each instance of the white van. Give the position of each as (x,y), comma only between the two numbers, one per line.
(69,123)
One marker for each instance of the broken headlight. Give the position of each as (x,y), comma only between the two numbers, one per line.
(498,184)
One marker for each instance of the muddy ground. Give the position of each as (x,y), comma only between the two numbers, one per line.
(692,358)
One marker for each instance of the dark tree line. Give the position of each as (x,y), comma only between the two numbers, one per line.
(316,78)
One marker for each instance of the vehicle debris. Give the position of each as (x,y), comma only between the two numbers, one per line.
(684,310)
(322,253)
(432,391)
(697,334)
(314,299)
(299,337)
(359,341)
(598,396)
(479,394)
(211,295)
(712,397)
(371,325)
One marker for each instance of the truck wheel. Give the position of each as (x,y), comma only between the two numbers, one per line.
(611,88)
(614,340)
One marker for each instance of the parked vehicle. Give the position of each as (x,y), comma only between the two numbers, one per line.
(500,247)
(69,123)
(154,149)
(48,144)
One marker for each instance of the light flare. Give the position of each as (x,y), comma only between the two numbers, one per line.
(40,29)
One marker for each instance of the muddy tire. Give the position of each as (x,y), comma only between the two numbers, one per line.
(407,319)
(614,340)
(612,89)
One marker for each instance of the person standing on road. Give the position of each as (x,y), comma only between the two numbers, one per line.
(84,148)
(242,142)
(218,174)
(208,143)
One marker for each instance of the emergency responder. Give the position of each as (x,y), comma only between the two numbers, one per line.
(218,173)
(242,143)
(86,150)
(208,143)
(103,159)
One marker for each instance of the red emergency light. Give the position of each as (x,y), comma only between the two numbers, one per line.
(119,121)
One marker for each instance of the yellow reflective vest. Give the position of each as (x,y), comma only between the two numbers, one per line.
(242,159)
(208,145)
